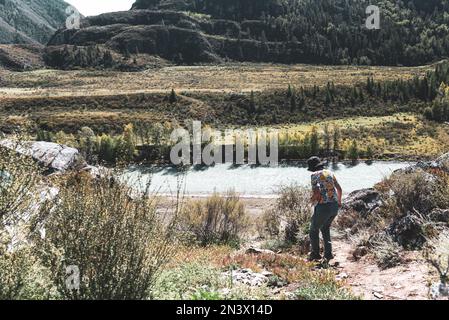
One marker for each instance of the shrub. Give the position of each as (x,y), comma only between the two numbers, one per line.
(322,288)
(385,250)
(420,191)
(18,179)
(216,220)
(290,216)
(182,282)
(22,277)
(117,240)
(437,255)
(413,191)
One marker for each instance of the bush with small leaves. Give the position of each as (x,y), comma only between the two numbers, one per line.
(216,220)
(116,239)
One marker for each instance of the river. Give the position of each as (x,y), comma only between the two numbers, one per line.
(256,182)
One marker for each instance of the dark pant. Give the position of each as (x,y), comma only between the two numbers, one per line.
(322,219)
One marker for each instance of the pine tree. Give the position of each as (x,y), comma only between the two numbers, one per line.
(173,97)
(252,103)
(336,139)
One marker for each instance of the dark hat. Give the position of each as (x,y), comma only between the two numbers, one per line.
(315,164)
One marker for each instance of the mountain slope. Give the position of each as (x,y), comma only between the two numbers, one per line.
(30,21)
(413,32)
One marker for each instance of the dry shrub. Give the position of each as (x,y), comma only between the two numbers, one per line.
(415,191)
(216,220)
(18,179)
(437,255)
(441,195)
(118,241)
(271,223)
(385,250)
(22,276)
(289,219)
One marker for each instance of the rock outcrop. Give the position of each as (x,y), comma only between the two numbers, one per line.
(363,201)
(53,156)
(408,231)
(442,163)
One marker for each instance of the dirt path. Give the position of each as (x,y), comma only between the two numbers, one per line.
(405,282)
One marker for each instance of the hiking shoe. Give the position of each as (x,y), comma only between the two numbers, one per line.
(329,258)
(314,258)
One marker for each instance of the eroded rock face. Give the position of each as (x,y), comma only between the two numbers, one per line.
(362,201)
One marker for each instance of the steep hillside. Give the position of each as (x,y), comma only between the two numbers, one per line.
(30,21)
(413,32)
(21,57)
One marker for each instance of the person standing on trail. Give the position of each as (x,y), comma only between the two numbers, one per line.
(326,198)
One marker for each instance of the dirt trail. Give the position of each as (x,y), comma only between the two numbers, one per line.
(405,282)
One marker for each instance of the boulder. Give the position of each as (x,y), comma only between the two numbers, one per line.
(53,156)
(362,201)
(408,231)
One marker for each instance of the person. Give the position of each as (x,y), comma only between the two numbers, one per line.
(326,199)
